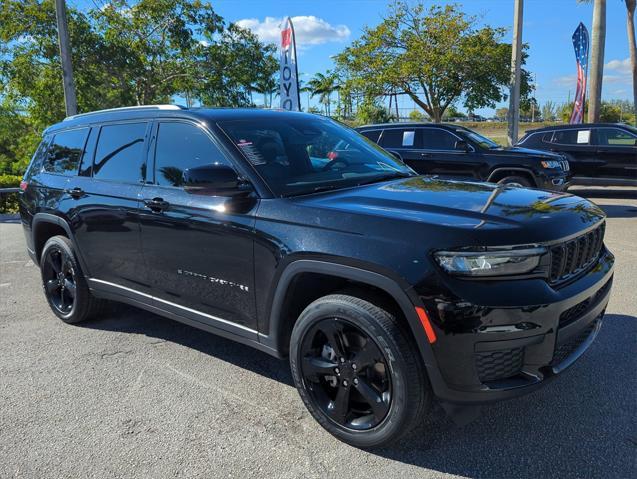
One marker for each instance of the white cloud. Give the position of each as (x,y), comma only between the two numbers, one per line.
(565,81)
(309,30)
(619,66)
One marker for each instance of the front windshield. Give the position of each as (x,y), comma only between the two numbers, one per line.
(306,155)
(482,141)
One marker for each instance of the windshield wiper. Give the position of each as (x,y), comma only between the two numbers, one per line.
(382,178)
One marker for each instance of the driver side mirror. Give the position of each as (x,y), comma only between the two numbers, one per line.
(462,145)
(215,180)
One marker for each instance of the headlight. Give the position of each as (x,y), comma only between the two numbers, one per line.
(490,262)
(551,164)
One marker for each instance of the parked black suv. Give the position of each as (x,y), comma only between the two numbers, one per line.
(603,154)
(456,152)
(295,235)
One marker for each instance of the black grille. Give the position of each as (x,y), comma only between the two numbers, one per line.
(575,312)
(563,351)
(493,365)
(576,255)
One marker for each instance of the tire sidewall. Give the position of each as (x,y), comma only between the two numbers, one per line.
(393,423)
(81,292)
(515,180)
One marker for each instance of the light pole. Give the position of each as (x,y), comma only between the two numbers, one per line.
(516,60)
(65,56)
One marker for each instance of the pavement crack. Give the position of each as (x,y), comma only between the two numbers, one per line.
(116,353)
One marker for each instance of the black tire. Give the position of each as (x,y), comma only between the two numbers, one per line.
(398,378)
(64,284)
(516,181)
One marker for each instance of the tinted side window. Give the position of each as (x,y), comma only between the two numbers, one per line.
(571,137)
(181,146)
(615,137)
(65,152)
(120,153)
(438,139)
(397,138)
(372,135)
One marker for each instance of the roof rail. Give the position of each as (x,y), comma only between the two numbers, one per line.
(128,108)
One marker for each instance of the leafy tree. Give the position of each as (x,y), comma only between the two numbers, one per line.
(453,112)
(501,113)
(435,56)
(415,115)
(549,111)
(371,112)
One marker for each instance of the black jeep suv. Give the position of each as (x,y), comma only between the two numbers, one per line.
(298,236)
(456,152)
(603,154)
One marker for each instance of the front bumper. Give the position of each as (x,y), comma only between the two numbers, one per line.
(559,181)
(491,353)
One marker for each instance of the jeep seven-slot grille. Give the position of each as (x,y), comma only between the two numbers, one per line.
(574,256)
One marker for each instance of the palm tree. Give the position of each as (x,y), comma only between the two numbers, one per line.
(267,86)
(323,86)
(632,46)
(597,58)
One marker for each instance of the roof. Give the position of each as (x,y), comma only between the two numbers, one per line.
(402,124)
(569,126)
(146,112)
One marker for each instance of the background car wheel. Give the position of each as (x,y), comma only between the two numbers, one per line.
(357,372)
(64,284)
(516,181)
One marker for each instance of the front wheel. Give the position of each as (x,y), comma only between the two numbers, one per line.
(520,181)
(357,372)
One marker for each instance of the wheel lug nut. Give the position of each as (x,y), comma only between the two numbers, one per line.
(355,381)
(345,383)
(353,365)
(337,371)
(342,360)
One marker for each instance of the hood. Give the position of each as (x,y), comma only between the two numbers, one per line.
(473,207)
(518,150)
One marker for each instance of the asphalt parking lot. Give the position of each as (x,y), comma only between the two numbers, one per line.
(136,395)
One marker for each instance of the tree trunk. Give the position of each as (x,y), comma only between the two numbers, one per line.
(597,60)
(630,26)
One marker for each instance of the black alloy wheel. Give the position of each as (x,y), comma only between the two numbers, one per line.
(346,374)
(60,283)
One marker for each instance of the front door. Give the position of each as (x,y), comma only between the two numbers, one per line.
(198,249)
(447,157)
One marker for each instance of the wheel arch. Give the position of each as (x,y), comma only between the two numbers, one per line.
(46,225)
(280,324)
(498,173)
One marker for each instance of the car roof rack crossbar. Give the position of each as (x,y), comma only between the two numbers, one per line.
(128,108)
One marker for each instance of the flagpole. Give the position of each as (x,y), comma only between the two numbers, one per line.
(296,66)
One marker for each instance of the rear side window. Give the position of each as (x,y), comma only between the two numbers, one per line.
(119,154)
(372,135)
(571,137)
(65,151)
(398,138)
(181,146)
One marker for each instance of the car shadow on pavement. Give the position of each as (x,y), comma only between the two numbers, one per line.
(619,211)
(615,193)
(127,319)
(580,425)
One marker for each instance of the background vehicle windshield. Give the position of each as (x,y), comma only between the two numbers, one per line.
(482,141)
(307,155)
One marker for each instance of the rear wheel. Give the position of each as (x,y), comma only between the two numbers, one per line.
(358,374)
(516,181)
(64,283)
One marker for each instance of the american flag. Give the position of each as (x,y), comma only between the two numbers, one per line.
(580,44)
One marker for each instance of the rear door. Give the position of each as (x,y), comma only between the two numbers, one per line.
(105,211)
(577,143)
(198,249)
(406,143)
(617,148)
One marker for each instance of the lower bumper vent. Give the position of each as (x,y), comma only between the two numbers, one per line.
(495,365)
(563,351)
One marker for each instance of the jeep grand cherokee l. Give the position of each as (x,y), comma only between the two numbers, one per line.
(603,154)
(456,152)
(298,236)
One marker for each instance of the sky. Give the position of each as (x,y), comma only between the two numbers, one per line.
(325,27)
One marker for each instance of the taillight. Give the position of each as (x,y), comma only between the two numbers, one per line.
(23,185)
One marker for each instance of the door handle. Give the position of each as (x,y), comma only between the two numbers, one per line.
(156,204)
(76,192)
(425,155)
